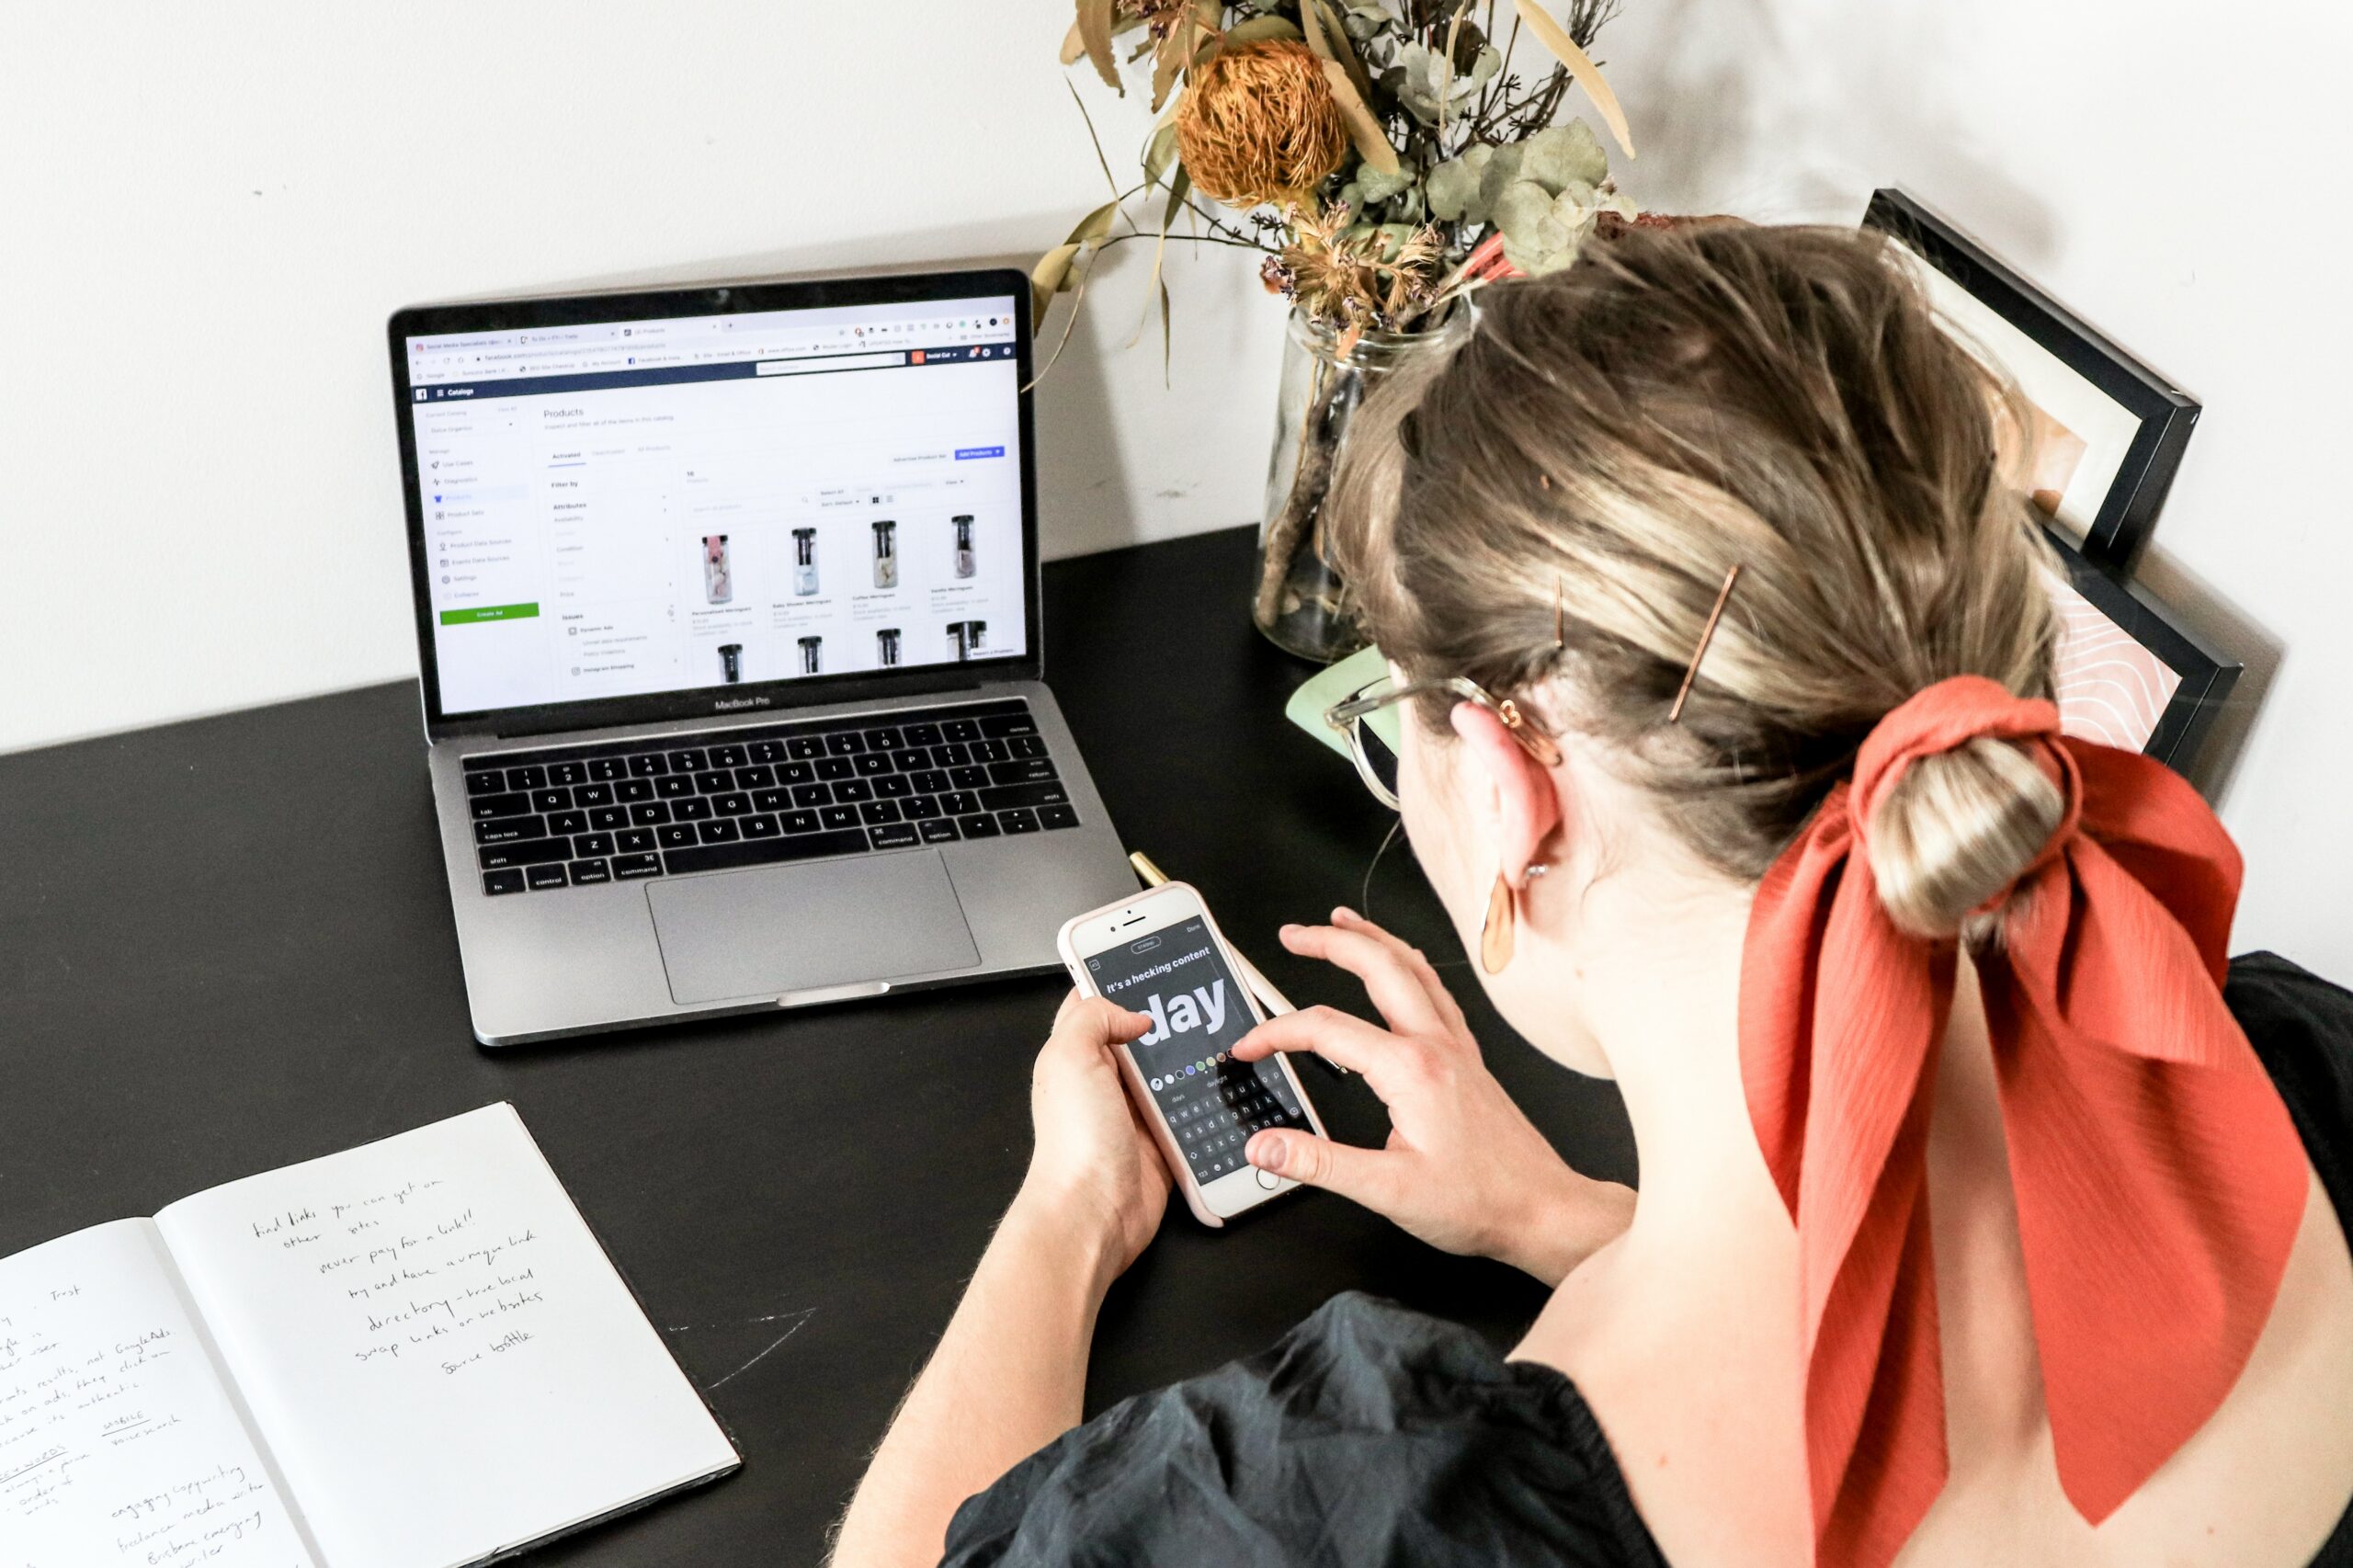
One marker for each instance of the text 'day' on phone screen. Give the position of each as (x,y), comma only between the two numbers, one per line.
(1176,978)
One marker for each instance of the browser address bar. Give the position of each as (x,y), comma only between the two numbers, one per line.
(828,362)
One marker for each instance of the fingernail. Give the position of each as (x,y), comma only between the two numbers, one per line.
(1287,927)
(1344,913)
(1265,1150)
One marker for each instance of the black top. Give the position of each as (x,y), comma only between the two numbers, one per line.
(1374,1434)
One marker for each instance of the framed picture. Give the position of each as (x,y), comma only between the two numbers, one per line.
(2108,431)
(2128,674)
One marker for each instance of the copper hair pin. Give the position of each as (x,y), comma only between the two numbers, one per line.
(1706,635)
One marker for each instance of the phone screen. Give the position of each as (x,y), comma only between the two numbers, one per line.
(1177,977)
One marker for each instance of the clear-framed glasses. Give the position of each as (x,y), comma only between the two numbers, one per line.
(1377,762)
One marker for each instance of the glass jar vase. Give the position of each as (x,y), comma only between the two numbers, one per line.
(1296,598)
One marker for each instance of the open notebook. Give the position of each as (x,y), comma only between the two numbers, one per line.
(410,1355)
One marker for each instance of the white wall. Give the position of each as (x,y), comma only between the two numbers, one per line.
(208,210)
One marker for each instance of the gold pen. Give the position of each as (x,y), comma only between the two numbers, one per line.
(1273,1001)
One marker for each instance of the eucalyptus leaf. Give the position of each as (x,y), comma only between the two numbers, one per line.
(1543,232)
(1167,67)
(1327,39)
(1373,142)
(1258,29)
(1453,187)
(1416,78)
(1562,155)
(1374,184)
(1096,227)
(1419,77)
(1179,189)
(1502,168)
(1048,278)
(1159,153)
(1094,34)
(1523,212)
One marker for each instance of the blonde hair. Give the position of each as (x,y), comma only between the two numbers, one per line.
(1610,438)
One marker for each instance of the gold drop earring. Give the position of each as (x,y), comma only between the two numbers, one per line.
(1497,936)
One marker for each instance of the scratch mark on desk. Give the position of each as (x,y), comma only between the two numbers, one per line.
(798,1320)
(739,1323)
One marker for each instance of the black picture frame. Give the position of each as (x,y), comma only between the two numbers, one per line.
(2120,527)
(2207,676)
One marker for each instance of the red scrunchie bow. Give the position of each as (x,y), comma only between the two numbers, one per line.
(2160,1182)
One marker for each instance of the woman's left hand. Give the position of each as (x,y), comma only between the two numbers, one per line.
(1095,1166)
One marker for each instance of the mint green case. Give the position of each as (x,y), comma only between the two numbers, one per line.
(1337,683)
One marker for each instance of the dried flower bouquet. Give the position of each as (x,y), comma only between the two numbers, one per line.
(1386,156)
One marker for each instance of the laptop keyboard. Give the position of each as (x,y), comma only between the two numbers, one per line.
(622,811)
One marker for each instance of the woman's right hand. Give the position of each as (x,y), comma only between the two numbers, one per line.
(1465,1169)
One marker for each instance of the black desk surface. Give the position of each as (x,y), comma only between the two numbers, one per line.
(225,946)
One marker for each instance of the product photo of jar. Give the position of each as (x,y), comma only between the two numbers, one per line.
(964,561)
(718,575)
(804,562)
(811,664)
(886,554)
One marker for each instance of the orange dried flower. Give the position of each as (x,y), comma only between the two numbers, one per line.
(1259,123)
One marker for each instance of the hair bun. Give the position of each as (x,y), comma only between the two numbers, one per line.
(1956,830)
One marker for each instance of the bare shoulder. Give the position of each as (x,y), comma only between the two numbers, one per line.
(1688,1372)
(2271,1473)
(1690,1378)
(2261,1485)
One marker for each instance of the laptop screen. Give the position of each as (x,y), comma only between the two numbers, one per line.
(629,508)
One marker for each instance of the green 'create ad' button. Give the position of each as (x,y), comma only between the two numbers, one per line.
(488,612)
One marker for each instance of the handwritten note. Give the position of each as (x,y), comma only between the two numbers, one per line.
(424,1275)
(436,1347)
(118,1441)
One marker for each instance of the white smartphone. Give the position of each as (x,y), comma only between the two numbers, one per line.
(1159,953)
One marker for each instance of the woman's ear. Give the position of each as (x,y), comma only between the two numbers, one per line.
(1528,801)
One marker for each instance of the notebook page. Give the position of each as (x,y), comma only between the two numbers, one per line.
(436,1350)
(118,1443)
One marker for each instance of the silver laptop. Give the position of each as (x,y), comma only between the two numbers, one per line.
(728,617)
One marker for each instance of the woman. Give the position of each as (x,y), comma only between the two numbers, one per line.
(1973,1225)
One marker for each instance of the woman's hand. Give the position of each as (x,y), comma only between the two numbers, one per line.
(1010,1373)
(1094,1166)
(1463,1169)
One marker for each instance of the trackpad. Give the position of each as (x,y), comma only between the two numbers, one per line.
(794,927)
